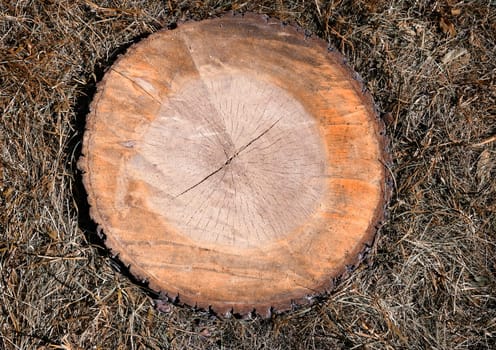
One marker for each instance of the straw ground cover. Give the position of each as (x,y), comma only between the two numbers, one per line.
(430,278)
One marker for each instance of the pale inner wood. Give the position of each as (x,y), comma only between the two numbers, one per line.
(233,161)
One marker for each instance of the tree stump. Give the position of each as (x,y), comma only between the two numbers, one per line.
(234,163)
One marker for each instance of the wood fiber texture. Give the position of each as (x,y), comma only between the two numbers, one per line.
(234,163)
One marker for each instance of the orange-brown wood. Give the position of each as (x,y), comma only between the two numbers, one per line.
(234,163)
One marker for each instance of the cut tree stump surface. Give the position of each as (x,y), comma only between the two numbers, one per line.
(235,163)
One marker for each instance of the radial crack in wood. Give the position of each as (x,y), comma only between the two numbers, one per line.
(234,163)
(228,161)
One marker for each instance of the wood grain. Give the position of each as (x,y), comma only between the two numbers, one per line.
(234,163)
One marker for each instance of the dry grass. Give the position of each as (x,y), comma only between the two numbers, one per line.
(431,279)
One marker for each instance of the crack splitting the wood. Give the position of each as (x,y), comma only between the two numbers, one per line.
(229,160)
